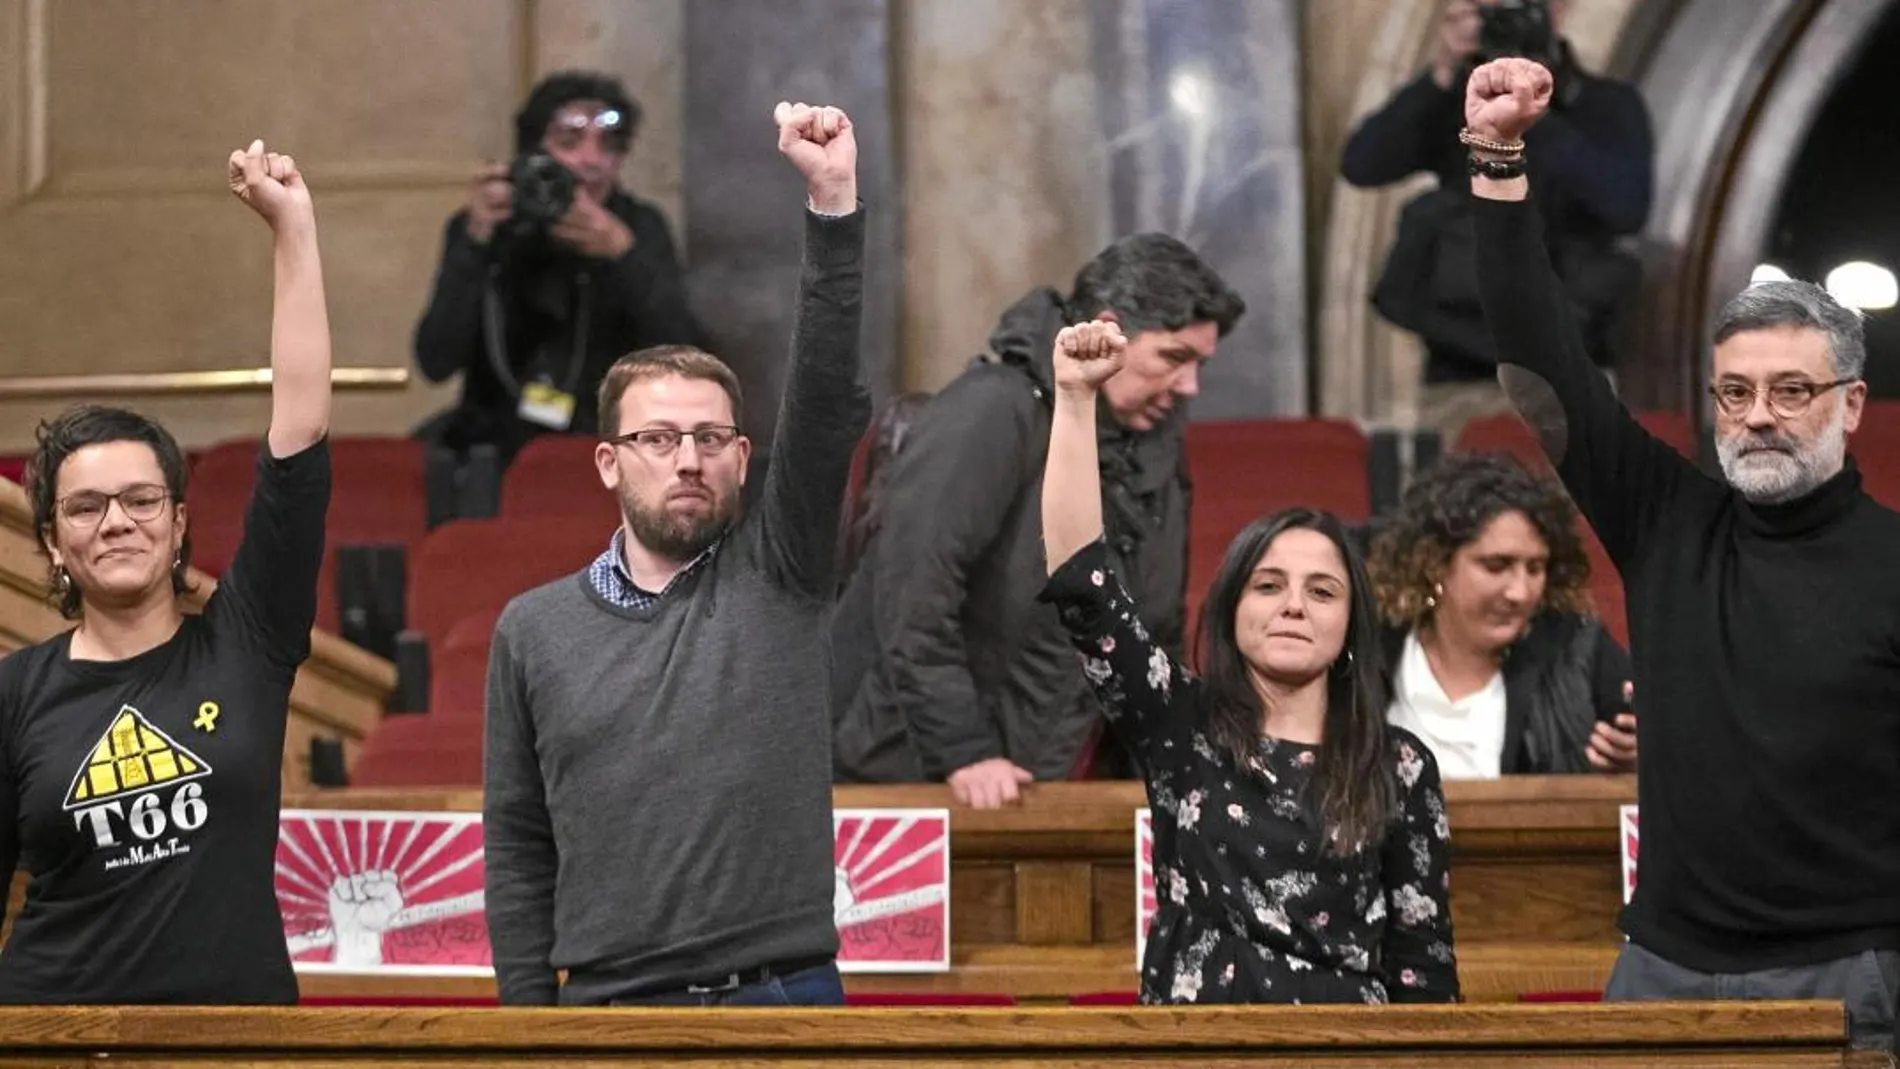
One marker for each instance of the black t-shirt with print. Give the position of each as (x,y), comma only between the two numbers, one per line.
(143,795)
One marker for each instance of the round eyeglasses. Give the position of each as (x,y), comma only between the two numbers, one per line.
(1787,398)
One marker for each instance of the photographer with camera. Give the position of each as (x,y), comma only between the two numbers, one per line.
(1591,167)
(550,274)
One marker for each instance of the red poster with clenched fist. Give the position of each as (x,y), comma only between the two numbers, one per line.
(892,900)
(401,892)
(383,892)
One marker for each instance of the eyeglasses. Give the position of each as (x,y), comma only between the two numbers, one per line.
(570,127)
(141,502)
(1787,398)
(660,442)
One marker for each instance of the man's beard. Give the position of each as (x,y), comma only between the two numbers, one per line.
(1791,470)
(679,536)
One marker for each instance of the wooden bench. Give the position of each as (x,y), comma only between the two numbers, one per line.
(1781,1034)
(1043,895)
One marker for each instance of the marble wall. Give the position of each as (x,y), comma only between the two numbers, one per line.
(124,253)
(744,202)
(1017,139)
(1116,116)
(639,41)
(1003,166)
(1200,105)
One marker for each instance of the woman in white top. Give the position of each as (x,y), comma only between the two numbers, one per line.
(1494,659)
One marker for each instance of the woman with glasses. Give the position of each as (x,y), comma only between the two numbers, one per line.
(141,751)
(1301,847)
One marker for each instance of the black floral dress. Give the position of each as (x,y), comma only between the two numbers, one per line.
(1248,907)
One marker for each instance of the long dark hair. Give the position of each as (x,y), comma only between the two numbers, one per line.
(68,433)
(1351,794)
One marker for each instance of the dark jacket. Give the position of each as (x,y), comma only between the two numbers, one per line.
(1590,161)
(561,315)
(942,655)
(1559,679)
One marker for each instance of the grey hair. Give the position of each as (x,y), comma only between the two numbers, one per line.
(1766,305)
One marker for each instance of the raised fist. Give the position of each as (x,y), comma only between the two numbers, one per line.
(1088,353)
(1506,97)
(820,143)
(365,900)
(269,183)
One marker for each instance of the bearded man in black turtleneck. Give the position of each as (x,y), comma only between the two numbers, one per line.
(1764,615)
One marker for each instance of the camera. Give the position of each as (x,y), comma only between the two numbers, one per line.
(543,193)
(1515,28)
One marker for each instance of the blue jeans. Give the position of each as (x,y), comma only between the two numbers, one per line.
(817,986)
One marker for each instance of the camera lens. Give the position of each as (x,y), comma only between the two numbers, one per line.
(543,190)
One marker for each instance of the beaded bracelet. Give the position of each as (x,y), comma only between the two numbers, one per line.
(1479,141)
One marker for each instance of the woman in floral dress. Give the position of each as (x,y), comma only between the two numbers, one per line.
(1301,851)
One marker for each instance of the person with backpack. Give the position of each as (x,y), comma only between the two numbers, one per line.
(945,666)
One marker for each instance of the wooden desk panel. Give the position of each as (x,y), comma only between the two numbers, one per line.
(1051,975)
(1730,1034)
(1042,895)
(1534,858)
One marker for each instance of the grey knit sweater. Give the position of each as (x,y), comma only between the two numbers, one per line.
(657,804)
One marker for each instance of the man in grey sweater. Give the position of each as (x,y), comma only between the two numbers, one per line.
(657,804)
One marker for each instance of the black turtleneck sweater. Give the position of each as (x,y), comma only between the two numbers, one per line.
(1766,642)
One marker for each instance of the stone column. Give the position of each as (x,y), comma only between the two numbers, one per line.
(744,203)
(1200,105)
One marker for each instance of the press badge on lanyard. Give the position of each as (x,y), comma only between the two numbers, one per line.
(546,404)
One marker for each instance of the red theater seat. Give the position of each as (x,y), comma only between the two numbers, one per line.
(1508,434)
(1880,477)
(1675,429)
(1245,469)
(458,669)
(421,750)
(458,682)
(554,475)
(1560,996)
(470,568)
(1876,450)
(377,496)
(1501,434)
(477,630)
